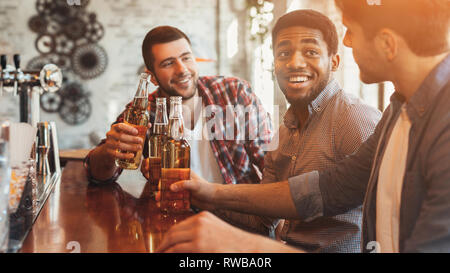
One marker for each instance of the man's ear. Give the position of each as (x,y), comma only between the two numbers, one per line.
(387,42)
(335,61)
(153,78)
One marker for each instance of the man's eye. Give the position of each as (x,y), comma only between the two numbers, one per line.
(282,54)
(166,64)
(312,53)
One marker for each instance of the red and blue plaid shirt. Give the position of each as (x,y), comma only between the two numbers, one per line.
(241,158)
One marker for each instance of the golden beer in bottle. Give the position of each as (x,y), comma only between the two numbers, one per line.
(175,162)
(156,140)
(136,115)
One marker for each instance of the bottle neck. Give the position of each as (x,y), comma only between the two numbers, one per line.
(176,110)
(141,97)
(161,122)
(160,129)
(176,125)
(140,103)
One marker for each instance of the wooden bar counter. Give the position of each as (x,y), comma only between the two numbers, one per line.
(83,217)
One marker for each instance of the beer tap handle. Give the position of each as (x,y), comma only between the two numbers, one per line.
(3,64)
(17,65)
(3,61)
(17,61)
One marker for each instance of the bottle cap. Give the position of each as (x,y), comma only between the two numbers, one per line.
(175,98)
(145,76)
(160,100)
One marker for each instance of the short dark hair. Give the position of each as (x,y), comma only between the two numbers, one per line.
(310,19)
(422,23)
(159,35)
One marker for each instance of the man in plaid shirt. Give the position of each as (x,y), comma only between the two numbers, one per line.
(233,156)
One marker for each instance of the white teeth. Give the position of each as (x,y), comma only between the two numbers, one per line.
(298,79)
(185,80)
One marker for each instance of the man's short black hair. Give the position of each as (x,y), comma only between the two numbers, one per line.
(159,35)
(422,23)
(310,19)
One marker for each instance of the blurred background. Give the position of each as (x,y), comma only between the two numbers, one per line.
(98,46)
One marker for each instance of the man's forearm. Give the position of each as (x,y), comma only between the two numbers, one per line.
(272,200)
(102,165)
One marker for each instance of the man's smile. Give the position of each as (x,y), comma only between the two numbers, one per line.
(182,80)
(296,81)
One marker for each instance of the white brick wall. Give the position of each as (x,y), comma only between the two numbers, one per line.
(125,22)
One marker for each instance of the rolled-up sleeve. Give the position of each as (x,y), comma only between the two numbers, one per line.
(306,195)
(339,189)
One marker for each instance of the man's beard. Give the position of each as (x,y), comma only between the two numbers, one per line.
(315,91)
(173,92)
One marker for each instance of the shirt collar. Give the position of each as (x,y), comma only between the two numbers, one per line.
(316,106)
(429,90)
(322,100)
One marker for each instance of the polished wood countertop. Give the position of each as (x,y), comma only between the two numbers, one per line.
(83,217)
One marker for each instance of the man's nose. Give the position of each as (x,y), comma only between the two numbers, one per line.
(297,61)
(180,67)
(347,40)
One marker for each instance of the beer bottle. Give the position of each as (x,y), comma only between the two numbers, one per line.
(175,162)
(156,140)
(136,115)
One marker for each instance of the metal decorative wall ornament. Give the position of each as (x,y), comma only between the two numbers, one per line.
(64,45)
(75,29)
(67,35)
(75,106)
(89,61)
(45,44)
(50,102)
(75,111)
(38,24)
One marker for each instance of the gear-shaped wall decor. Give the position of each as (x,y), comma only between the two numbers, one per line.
(67,35)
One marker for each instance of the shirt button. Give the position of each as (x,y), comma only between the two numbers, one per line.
(294,158)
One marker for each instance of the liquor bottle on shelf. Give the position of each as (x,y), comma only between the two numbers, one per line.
(136,115)
(175,162)
(155,142)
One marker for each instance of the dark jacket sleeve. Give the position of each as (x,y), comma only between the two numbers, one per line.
(344,186)
(336,190)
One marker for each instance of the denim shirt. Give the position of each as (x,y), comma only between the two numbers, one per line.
(425,198)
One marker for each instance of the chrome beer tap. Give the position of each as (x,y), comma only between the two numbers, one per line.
(49,78)
(23,96)
(8,73)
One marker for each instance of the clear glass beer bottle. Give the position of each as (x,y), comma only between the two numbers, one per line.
(136,115)
(175,161)
(156,140)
